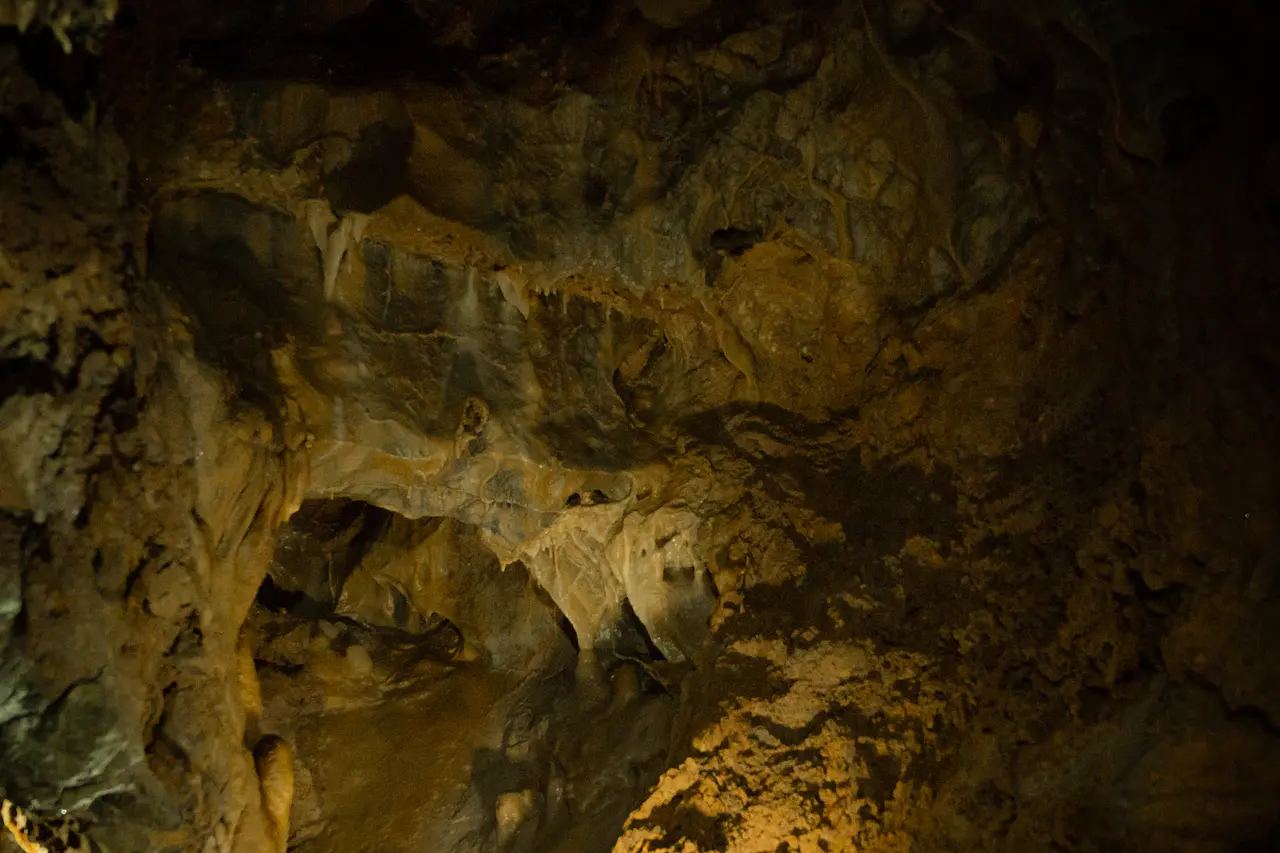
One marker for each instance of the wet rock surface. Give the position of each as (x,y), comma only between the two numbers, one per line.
(669,426)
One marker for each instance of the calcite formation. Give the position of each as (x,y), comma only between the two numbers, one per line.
(655,426)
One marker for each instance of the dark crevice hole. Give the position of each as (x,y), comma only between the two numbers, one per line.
(271,596)
(635,636)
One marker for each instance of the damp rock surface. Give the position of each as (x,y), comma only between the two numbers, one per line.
(669,426)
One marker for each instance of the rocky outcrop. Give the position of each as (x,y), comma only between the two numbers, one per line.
(140,503)
(850,412)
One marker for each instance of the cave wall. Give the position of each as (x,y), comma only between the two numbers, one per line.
(925,426)
(139,504)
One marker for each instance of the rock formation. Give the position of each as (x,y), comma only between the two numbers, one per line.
(639,426)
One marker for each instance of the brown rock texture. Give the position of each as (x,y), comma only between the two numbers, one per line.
(642,427)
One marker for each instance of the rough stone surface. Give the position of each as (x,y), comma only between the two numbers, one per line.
(569,429)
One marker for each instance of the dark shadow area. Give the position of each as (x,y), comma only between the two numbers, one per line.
(241,305)
(72,77)
(389,42)
(318,548)
(385,43)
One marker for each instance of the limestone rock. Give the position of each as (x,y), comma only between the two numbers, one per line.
(488,329)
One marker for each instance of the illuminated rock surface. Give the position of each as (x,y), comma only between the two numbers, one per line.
(656,426)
